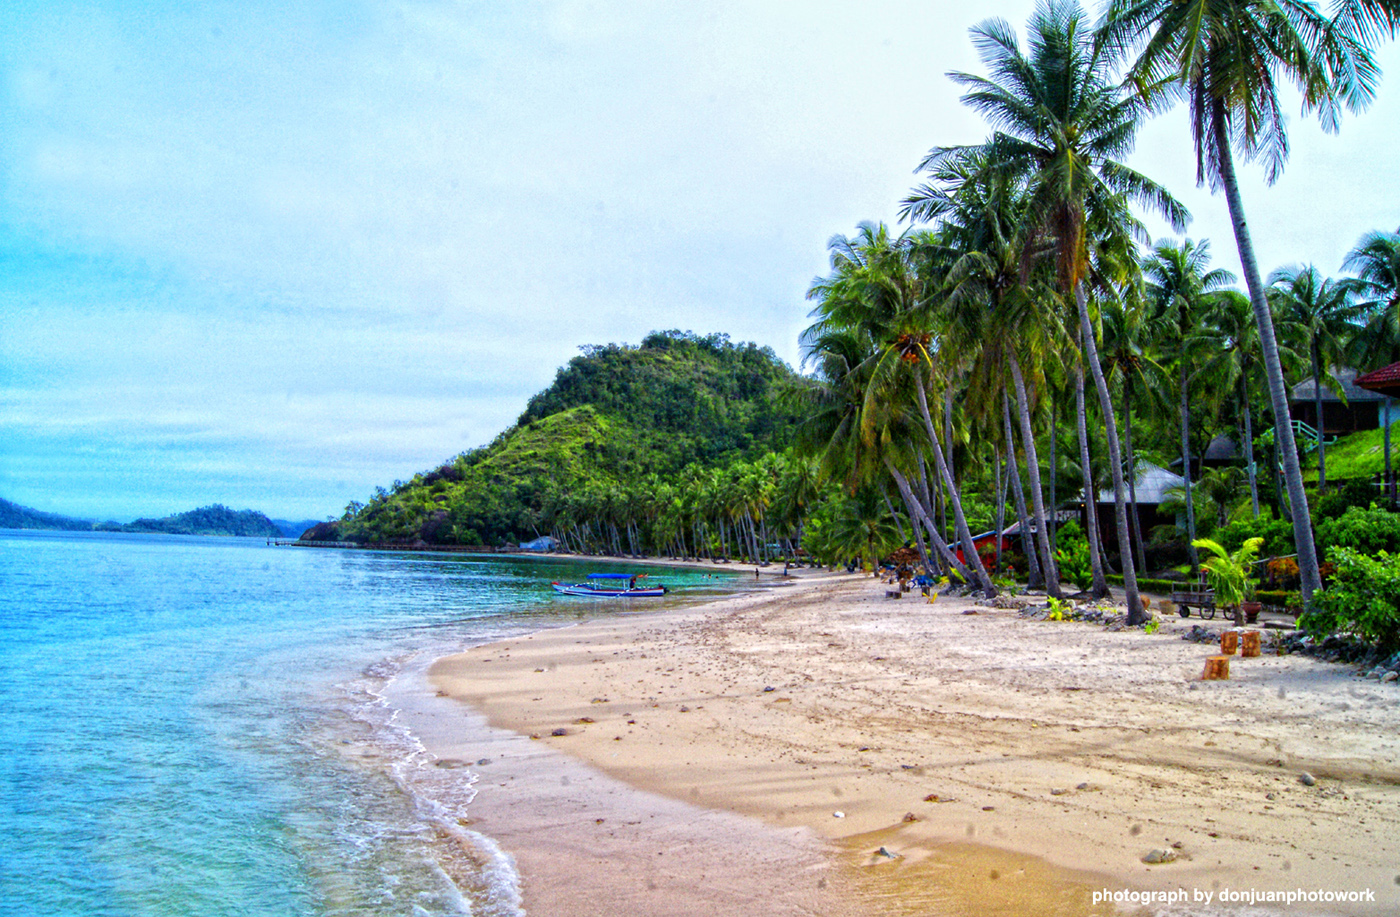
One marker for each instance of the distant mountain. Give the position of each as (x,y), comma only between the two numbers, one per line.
(14,516)
(207,520)
(294,529)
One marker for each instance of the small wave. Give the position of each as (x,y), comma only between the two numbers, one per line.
(485,875)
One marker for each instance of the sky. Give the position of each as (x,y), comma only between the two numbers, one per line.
(275,255)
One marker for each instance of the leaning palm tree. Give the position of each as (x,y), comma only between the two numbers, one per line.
(1226,58)
(993,306)
(1327,318)
(1062,121)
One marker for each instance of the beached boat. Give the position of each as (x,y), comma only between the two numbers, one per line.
(610,585)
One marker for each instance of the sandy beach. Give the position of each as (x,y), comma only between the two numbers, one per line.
(817,748)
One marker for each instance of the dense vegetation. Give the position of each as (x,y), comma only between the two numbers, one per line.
(596,458)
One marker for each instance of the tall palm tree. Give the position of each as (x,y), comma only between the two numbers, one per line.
(992,304)
(1226,58)
(1178,282)
(1376,263)
(1327,319)
(1128,330)
(1062,121)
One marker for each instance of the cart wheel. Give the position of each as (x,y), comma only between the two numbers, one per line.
(1208,614)
(1184,611)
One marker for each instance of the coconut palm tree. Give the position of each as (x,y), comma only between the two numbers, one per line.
(992,304)
(1326,318)
(1229,337)
(1128,331)
(1178,283)
(1062,121)
(1376,263)
(1227,58)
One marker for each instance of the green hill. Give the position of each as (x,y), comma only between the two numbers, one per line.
(14,516)
(617,422)
(209,520)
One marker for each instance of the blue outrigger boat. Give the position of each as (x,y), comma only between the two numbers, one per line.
(610,585)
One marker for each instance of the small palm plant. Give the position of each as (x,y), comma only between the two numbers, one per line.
(1229,573)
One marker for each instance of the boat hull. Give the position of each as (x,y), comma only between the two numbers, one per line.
(583,589)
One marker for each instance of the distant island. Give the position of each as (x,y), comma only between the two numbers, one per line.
(207,520)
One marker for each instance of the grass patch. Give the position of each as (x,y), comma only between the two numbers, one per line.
(1359,455)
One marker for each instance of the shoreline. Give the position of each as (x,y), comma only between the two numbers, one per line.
(935,727)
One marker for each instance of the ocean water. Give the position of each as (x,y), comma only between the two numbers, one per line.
(198,725)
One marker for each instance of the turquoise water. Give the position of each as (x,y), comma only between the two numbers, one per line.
(197,725)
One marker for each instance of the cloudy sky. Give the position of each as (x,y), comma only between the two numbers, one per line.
(275,257)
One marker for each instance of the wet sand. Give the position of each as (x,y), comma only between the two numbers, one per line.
(1011,766)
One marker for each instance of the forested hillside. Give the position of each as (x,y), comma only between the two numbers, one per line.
(619,424)
(209,520)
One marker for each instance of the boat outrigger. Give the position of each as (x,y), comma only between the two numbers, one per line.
(610,585)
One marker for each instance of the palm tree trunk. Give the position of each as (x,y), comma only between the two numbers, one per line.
(1185,410)
(1308,573)
(1099,587)
(1034,579)
(1000,489)
(1317,402)
(1136,614)
(1249,450)
(1389,481)
(1054,472)
(951,495)
(898,522)
(1042,533)
(1132,472)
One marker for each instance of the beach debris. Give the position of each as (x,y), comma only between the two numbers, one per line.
(885,852)
(1160,855)
(599,700)
(1307,779)
(585,719)
(1082,786)
(539,670)
(1058,791)
(482,762)
(910,817)
(1390,676)
(561,731)
(838,814)
(769,689)
(932,797)
(684,709)
(971,611)
(449,763)
(989,808)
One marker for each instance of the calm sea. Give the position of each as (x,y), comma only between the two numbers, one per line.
(198,725)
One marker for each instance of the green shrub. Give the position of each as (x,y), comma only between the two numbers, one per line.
(1363,598)
(1368,531)
(1073,556)
(1145,584)
(1277,535)
(1358,492)
(1280,598)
